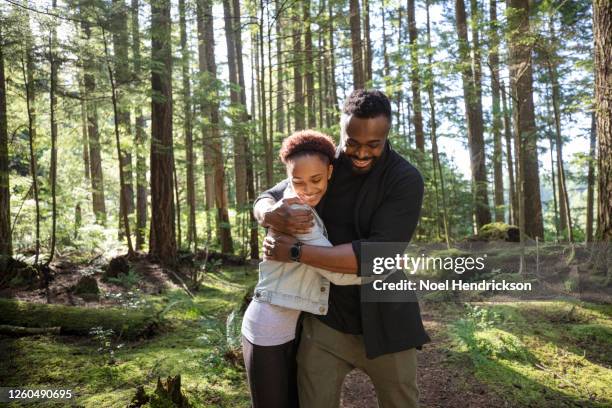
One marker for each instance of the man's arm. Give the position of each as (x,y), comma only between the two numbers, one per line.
(394,221)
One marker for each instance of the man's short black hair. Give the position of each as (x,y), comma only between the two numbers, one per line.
(367,104)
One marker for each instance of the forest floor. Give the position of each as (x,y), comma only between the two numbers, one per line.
(503,354)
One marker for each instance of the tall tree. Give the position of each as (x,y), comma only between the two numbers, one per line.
(192,236)
(308,66)
(91,106)
(6,243)
(280,86)
(53,62)
(298,58)
(213,147)
(237,135)
(513,213)
(591,181)
(470,73)
(367,43)
(356,44)
(602,33)
(496,128)
(415,78)
(520,47)
(122,74)
(140,136)
(162,240)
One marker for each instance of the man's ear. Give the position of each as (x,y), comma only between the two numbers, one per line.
(330,170)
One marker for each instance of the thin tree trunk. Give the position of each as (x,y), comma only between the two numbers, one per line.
(262,95)
(513,212)
(162,241)
(367,43)
(602,32)
(93,136)
(496,113)
(122,76)
(552,169)
(332,66)
(591,182)
(6,242)
(308,67)
(28,79)
(140,137)
(192,237)
(356,45)
(298,69)
(280,89)
(415,79)
(237,136)
(52,113)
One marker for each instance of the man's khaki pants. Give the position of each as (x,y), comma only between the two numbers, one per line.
(326,355)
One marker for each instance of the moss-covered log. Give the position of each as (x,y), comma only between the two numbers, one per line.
(129,324)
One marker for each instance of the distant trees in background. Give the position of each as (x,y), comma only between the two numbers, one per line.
(167,116)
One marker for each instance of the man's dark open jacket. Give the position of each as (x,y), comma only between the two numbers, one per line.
(386,210)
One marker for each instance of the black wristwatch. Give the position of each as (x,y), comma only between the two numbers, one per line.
(296,251)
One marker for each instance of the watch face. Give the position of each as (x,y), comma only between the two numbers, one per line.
(295,252)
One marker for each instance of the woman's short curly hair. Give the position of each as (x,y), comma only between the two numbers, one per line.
(305,142)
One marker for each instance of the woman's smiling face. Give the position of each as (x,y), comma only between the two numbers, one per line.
(309,175)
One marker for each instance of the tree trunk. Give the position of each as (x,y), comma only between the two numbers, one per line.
(123,78)
(357,57)
(52,113)
(262,94)
(298,58)
(308,66)
(212,141)
(192,237)
(415,79)
(473,108)
(522,95)
(332,66)
(602,33)
(237,136)
(93,136)
(162,241)
(254,234)
(6,243)
(140,138)
(513,212)
(496,113)
(591,182)
(367,49)
(280,89)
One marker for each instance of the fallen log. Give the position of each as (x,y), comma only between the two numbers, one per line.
(18,331)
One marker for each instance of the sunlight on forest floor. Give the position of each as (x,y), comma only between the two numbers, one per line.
(545,353)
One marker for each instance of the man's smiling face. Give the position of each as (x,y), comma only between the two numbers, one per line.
(365,142)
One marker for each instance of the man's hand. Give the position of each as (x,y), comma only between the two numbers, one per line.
(277,246)
(287,220)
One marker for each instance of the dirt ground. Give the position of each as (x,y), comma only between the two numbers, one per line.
(441,385)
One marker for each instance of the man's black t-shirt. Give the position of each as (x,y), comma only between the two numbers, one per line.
(337,212)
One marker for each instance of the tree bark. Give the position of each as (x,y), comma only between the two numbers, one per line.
(367,49)
(140,137)
(123,77)
(93,136)
(415,80)
(6,243)
(513,212)
(591,181)
(602,33)
(356,45)
(473,108)
(212,140)
(298,58)
(192,237)
(308,66)
(53,116)
(496,113)
(162,241)
(526,133)
(236,117)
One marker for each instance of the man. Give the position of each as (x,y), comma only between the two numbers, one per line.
(374,195)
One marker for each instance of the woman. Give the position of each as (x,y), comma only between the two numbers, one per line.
(285,289)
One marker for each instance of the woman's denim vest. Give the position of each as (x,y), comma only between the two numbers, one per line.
(299,286)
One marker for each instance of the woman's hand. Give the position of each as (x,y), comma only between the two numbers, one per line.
(277,246)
